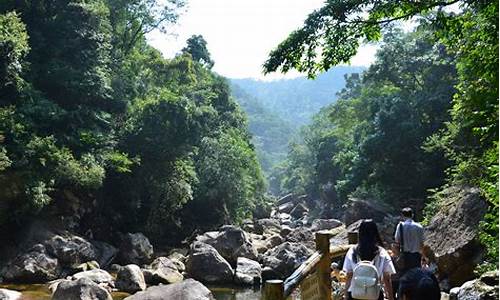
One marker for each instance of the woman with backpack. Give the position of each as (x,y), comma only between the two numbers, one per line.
(367,265)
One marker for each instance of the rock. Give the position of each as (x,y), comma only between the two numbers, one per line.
(81,289)
(285,230)
(299,210)
(205,264)
(35,266)
(90,265)
(187,289)
(96,275)
(453,233)
(6,294)
(325,224)
(267,226)
(303,236)
(480,289)
(273,241)
(106,253)
(248,272)
(285,199)
(176,255)
(163,270)
(135,248)
(286,207)
(71,250)
(444,296)
(130,279)
(231,243)
(285,258)
(358,209)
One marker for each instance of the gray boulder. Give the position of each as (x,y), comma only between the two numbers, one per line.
(299,210)
(106,253)
(285,258)
(135,248)
(302,235)
(325,224)
(163,270)
(71,250)
(6,294)
(231,242)
(262,226)
(130,279)
(453,233)
(81,289)
(96,275)
(356,209)
(187,289)
(248,272)
(35,266)
(484,288)
(205,264)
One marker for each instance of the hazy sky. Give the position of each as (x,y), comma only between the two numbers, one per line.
(241,33)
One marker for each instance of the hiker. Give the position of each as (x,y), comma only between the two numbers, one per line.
(409,239)
(418,284)
(367,265)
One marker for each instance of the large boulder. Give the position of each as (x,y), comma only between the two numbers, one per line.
(248,272)
(484,288)
(325,224)
(262,226)
(205,264)
(6,294)
(71,250)
(356,209)
(453,233)
(285,258)
(164,270)
(231,242)
(96,275)
(81,289)
(299,210)
(187,289)
(135,248)
(130,279)
(106,253)
(35,266)
(302,235)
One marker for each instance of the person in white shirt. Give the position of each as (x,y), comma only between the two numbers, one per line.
(369,248)
(411,241)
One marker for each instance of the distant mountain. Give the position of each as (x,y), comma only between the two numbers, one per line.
(270,133)
(297,100)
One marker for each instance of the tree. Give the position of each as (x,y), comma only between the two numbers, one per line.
(197,47)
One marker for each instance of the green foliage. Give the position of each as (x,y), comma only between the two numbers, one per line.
(369,142)
(332,34)
(94,118)
(13,48)
(197,48)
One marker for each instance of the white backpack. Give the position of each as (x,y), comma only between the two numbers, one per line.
(365,283)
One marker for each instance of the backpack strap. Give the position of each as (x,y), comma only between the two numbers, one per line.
(401,238)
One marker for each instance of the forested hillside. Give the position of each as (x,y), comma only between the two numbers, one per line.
(297,100)
(270,133)
(422,118)
(100,133)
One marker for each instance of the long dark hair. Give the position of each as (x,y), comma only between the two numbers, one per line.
(368,240)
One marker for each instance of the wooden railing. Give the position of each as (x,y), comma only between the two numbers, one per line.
(314,273)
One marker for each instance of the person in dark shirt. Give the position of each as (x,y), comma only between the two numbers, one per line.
(418,284)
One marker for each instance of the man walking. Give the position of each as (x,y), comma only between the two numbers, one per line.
(409,239)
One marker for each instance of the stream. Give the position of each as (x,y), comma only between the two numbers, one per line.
(41,292)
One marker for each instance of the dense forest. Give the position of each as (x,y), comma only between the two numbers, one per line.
(100,132)
(423,117)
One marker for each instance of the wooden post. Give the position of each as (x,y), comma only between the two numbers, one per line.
(323,270)
(273,290)
(352,237)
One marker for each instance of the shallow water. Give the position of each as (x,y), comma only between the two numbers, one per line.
(41,292)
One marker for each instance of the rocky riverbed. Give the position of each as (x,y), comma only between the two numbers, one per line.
(233,261)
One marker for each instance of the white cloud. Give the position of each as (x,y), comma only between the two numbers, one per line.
(241,33)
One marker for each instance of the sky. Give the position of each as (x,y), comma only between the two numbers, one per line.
(241,33)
